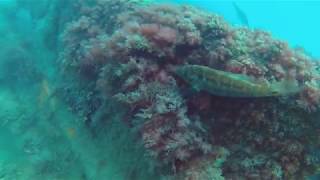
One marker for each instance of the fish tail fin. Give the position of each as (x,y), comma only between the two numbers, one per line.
(241,14)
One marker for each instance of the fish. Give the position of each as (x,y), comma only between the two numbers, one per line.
(222,83)
(46,95)
(71,132)
(241,14)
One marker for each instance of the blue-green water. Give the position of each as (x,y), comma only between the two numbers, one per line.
(89,90)
(293,21)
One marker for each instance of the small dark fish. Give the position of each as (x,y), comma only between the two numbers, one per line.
(241,14)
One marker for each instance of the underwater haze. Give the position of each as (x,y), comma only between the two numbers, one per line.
(159,90)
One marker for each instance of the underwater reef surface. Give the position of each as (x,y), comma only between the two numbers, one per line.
(131,90)
(129,58)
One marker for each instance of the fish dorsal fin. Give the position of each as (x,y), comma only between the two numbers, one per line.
(212,71)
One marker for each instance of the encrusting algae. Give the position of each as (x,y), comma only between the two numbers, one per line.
(140,76)
(224,83)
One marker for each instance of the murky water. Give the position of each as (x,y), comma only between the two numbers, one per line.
(134,90)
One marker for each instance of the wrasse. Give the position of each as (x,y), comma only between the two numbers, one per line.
(44,92)
(229,84)
(46,95)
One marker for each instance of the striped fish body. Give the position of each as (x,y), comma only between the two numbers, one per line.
(223,83)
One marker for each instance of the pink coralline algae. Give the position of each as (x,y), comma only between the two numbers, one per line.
(131,58)
(161,36)
(309,97)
